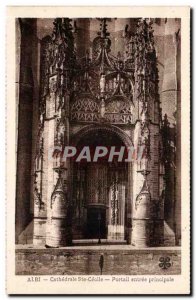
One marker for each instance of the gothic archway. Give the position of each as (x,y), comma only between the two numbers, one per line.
(99,190)
(106,127)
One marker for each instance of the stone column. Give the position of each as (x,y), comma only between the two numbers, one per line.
(177,214)
(25,90)
(60,57)
(58,226)
(129,204)
(141,210)
(82,37)
(41,157)
(39,203)
(147,218)
(171,106)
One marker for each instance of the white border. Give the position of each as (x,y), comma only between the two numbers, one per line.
(17,284)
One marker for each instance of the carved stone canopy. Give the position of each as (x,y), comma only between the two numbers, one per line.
(99,76)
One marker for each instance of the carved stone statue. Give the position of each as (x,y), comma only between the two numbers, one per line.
(102,83)
(60,133)
(102,108)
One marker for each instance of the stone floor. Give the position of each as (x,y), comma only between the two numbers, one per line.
(84,260)
(96,246)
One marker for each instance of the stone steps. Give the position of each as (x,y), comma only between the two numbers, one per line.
(86,242)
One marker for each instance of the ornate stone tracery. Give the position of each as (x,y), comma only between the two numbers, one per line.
(100,92)
(84,110)
(104,79)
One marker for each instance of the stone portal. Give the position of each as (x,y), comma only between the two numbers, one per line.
(99,190)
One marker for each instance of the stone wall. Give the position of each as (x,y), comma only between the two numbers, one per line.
(86,262)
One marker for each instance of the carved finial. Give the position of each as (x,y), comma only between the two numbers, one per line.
(103,28)
(62,29)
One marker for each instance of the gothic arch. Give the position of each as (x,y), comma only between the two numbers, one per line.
(105,127)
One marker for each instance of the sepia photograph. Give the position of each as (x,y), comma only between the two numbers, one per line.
(98,131)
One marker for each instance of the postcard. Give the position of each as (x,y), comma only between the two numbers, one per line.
(98,150)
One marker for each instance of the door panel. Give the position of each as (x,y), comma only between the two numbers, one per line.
(96,223)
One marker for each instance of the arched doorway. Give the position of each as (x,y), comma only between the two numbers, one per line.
(99,189)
